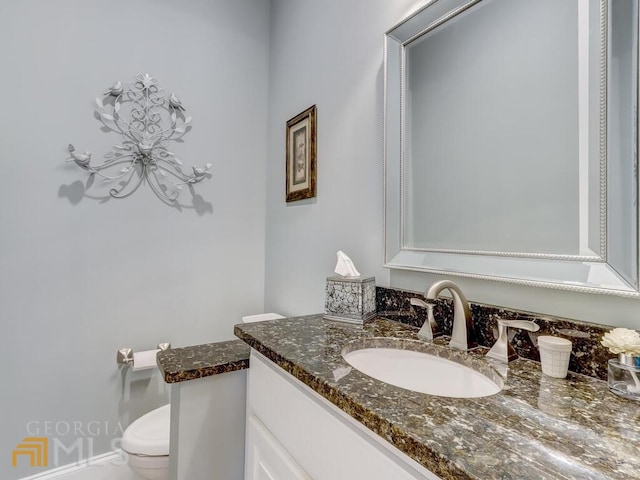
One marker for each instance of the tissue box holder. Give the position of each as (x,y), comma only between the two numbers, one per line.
(350,299)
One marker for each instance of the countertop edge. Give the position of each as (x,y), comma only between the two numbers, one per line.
(201,361)
(202,372)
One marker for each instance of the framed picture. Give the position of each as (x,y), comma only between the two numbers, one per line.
(301,156)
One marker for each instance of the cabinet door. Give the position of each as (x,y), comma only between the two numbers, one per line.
(266,458)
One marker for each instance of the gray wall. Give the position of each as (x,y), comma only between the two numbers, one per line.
(326,53)
(79,278)
(330,53)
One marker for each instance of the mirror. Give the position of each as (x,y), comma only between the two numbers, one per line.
(511,142)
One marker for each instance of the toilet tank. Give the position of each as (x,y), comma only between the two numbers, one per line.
(261,317)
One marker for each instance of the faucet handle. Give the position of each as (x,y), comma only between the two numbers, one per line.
(430,328)
(502,350)
(521,324)
(418,302)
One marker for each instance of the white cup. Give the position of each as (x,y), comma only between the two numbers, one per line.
(554,355)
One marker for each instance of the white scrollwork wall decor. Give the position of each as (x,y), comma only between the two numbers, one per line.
(148,122)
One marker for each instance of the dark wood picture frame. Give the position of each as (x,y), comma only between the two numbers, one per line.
(300,164)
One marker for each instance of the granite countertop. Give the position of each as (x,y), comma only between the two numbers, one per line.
(189,363)
(537,427)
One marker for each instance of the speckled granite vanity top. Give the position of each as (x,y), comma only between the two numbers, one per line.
(537,427)
(189,363)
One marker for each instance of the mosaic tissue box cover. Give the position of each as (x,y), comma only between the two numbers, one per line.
(350,299)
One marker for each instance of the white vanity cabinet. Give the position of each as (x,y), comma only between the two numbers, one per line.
(293,433)
(266,458)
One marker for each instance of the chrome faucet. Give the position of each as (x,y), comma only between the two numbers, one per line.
(430,329)
(502,350)
(462,336)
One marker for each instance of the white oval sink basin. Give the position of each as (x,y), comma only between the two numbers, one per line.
(422,372)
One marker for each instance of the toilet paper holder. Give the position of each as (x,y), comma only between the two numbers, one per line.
(124,356)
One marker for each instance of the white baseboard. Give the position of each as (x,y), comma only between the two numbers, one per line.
(115,457)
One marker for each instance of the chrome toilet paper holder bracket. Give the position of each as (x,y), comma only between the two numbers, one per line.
(124,356)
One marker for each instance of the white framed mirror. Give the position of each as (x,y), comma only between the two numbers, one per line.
(511,142)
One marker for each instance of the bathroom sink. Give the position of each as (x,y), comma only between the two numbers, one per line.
(423,372)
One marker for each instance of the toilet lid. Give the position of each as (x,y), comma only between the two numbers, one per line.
(149,435)
(261,317)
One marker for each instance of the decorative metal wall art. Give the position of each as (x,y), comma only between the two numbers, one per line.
(147,122)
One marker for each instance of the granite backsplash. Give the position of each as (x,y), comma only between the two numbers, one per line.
(588,356)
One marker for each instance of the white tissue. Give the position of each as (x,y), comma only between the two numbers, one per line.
(345,266)
(144,360)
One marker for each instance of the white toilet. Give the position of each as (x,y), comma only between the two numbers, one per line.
(146,440)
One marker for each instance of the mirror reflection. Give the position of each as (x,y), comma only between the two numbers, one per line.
(511,131)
